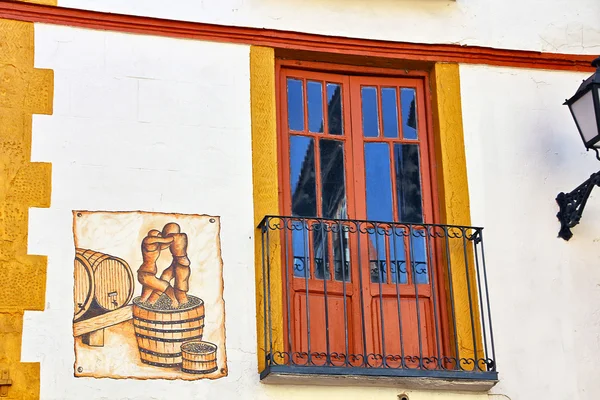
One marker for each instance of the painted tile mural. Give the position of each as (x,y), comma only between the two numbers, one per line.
(148,296)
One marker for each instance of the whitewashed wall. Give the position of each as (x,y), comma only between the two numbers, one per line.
(522,150)
(137,117)
(564,26)
(152,124)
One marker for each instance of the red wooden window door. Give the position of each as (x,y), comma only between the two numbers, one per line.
(356,148)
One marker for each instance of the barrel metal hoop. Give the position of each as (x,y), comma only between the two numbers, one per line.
(165,355)
(169,331)
(168,340)
(199,361)
(183,321)
(156,364)
(207,371)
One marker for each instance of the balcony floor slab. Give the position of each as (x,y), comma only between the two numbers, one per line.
(404,379)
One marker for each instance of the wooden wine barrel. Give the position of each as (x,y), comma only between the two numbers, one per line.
(160,331)
(199,357)
(84,285)
(113,279)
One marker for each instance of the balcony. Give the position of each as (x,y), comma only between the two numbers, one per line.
(382,303)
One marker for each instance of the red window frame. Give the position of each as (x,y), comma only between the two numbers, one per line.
(352,78)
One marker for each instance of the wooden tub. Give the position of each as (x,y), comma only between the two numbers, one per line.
(160,333)
(199,357)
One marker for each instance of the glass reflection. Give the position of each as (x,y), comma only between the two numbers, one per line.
(408,183)
(315,106)
(302,176)
(377,254)
(370,111)
(379,204)
(334,109)
(378,182)
(389,109)
(333,195)
(321,250)
(333,183)
(398,255)
(419,257)
(584,112)
(409,113)
(300,249)
(295,98)
(341,255)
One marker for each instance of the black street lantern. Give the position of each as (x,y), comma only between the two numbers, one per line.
(585,108)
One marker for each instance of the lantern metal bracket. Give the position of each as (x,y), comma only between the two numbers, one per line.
(571,204)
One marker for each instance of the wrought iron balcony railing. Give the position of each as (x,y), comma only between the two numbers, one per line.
(349,297)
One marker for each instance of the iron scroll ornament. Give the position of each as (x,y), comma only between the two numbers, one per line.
(571,205)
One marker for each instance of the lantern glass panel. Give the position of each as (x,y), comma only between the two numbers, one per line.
(597,144)
(585,115)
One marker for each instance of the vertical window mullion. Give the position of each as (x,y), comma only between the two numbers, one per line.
(379,111)
(325,107)
(400,116)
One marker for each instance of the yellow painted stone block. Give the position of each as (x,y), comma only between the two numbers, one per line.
(31,185)
(16,43)
(15,138)
(26,89)
(23,282)
(41,91)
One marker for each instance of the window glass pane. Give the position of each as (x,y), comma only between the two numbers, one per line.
(334,109)
(585,115)
(315,106)
(419,256)
(389,109)
(332,179)
(300,249)
(398,255)
(408,183)
(333,206)
(377,254)
(341,254)
(409,113)
(370,112)
(378,182)
(379,204)
(302,176)
(295,98)
(321,250)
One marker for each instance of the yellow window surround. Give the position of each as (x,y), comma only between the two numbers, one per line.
(452,188)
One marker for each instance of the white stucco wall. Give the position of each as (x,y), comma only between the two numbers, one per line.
(564,26)
(152,124)
(137,117)
(522,150)
(148,124)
